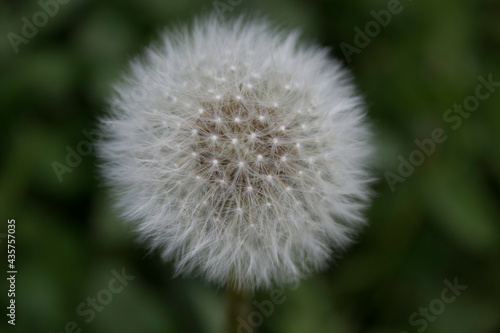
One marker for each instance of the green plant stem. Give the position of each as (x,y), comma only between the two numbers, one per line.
(238,306)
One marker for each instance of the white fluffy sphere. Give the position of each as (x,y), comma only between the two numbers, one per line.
(238,153)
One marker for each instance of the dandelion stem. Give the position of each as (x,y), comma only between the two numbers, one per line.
(239,305)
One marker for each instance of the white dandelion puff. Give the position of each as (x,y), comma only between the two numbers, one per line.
(230,178)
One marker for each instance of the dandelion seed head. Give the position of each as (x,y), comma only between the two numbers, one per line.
(230,193)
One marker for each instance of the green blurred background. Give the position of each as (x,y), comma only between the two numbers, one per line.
(441,223)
